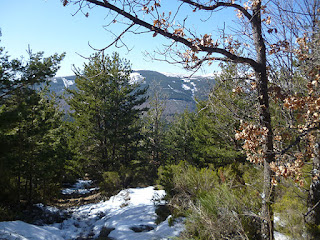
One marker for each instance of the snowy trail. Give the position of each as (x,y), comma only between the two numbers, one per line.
(129,215)
(131,209)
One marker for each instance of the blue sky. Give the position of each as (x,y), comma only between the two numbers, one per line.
(47,26)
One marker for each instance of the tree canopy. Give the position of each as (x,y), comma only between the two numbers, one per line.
(105,108)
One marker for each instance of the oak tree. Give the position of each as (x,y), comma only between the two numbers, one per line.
(194,48)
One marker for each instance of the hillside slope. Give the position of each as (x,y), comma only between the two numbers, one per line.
(180,92)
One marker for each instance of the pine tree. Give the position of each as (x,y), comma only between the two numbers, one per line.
(25,116)
(106,107)
(180,138)
(154,127)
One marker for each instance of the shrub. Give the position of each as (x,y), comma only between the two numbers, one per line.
(137,174)
(110,184)
(219,204)
(6,213)
(194,181)
(165,177)
(184,178)
(221,214)
(290,207)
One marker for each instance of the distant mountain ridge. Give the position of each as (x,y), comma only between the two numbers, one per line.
(180,91)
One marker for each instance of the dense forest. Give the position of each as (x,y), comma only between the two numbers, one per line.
(245,157)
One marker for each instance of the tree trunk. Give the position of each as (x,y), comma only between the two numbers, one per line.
(312,217)
(267,199)
(265,122)
(268,193)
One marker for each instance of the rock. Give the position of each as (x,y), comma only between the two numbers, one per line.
(104,233)
(142,228)
(163,212)
(124,204)
(101,215)
(41,215)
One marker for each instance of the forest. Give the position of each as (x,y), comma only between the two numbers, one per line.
(243,165)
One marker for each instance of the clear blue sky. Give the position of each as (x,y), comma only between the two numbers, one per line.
(47,26)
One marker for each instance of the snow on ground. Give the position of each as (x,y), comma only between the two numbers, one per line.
(280,236)
(136,77)
(186,80)
(129,210)
(19,230)
(176,75)
(80,187)
(279,223)
(67,83)
(185,87)
(190,76)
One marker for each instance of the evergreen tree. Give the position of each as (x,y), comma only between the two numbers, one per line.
(106,107)
(29,122)
(154,128)
(219,116)
(181,139)
(210,145)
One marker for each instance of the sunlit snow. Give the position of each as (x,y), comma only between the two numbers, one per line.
(280,236)
(67,83)
(185,87)
(170,87)
(177,75)
(134,207)
(136,77)
(80,187)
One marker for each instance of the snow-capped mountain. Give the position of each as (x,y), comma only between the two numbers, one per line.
(180,91)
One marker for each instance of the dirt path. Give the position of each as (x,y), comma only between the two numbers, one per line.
(73,200)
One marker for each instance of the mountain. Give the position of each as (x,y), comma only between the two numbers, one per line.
(180,91)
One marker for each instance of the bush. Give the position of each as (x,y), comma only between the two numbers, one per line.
(110,184)
(219,214)
(137,174)
(165,177)
(194,182)
(6,214)
(219,204)
(290,207)
(184,178)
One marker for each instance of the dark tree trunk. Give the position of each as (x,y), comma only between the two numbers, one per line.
(259,66)
(312,217)
(265,122)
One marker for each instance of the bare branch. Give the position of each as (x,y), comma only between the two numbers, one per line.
(219,5)
(176,38)
(115,41)
(299,138)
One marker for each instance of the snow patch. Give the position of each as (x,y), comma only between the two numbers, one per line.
(186,77)
(186,87)
(131,207)
(279,223)
(80,187)
(136,77)
(210,75)
(194,86)
(280,236)
(67,83)
(47,208)
(176,75)
(19,230)
(186,80)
